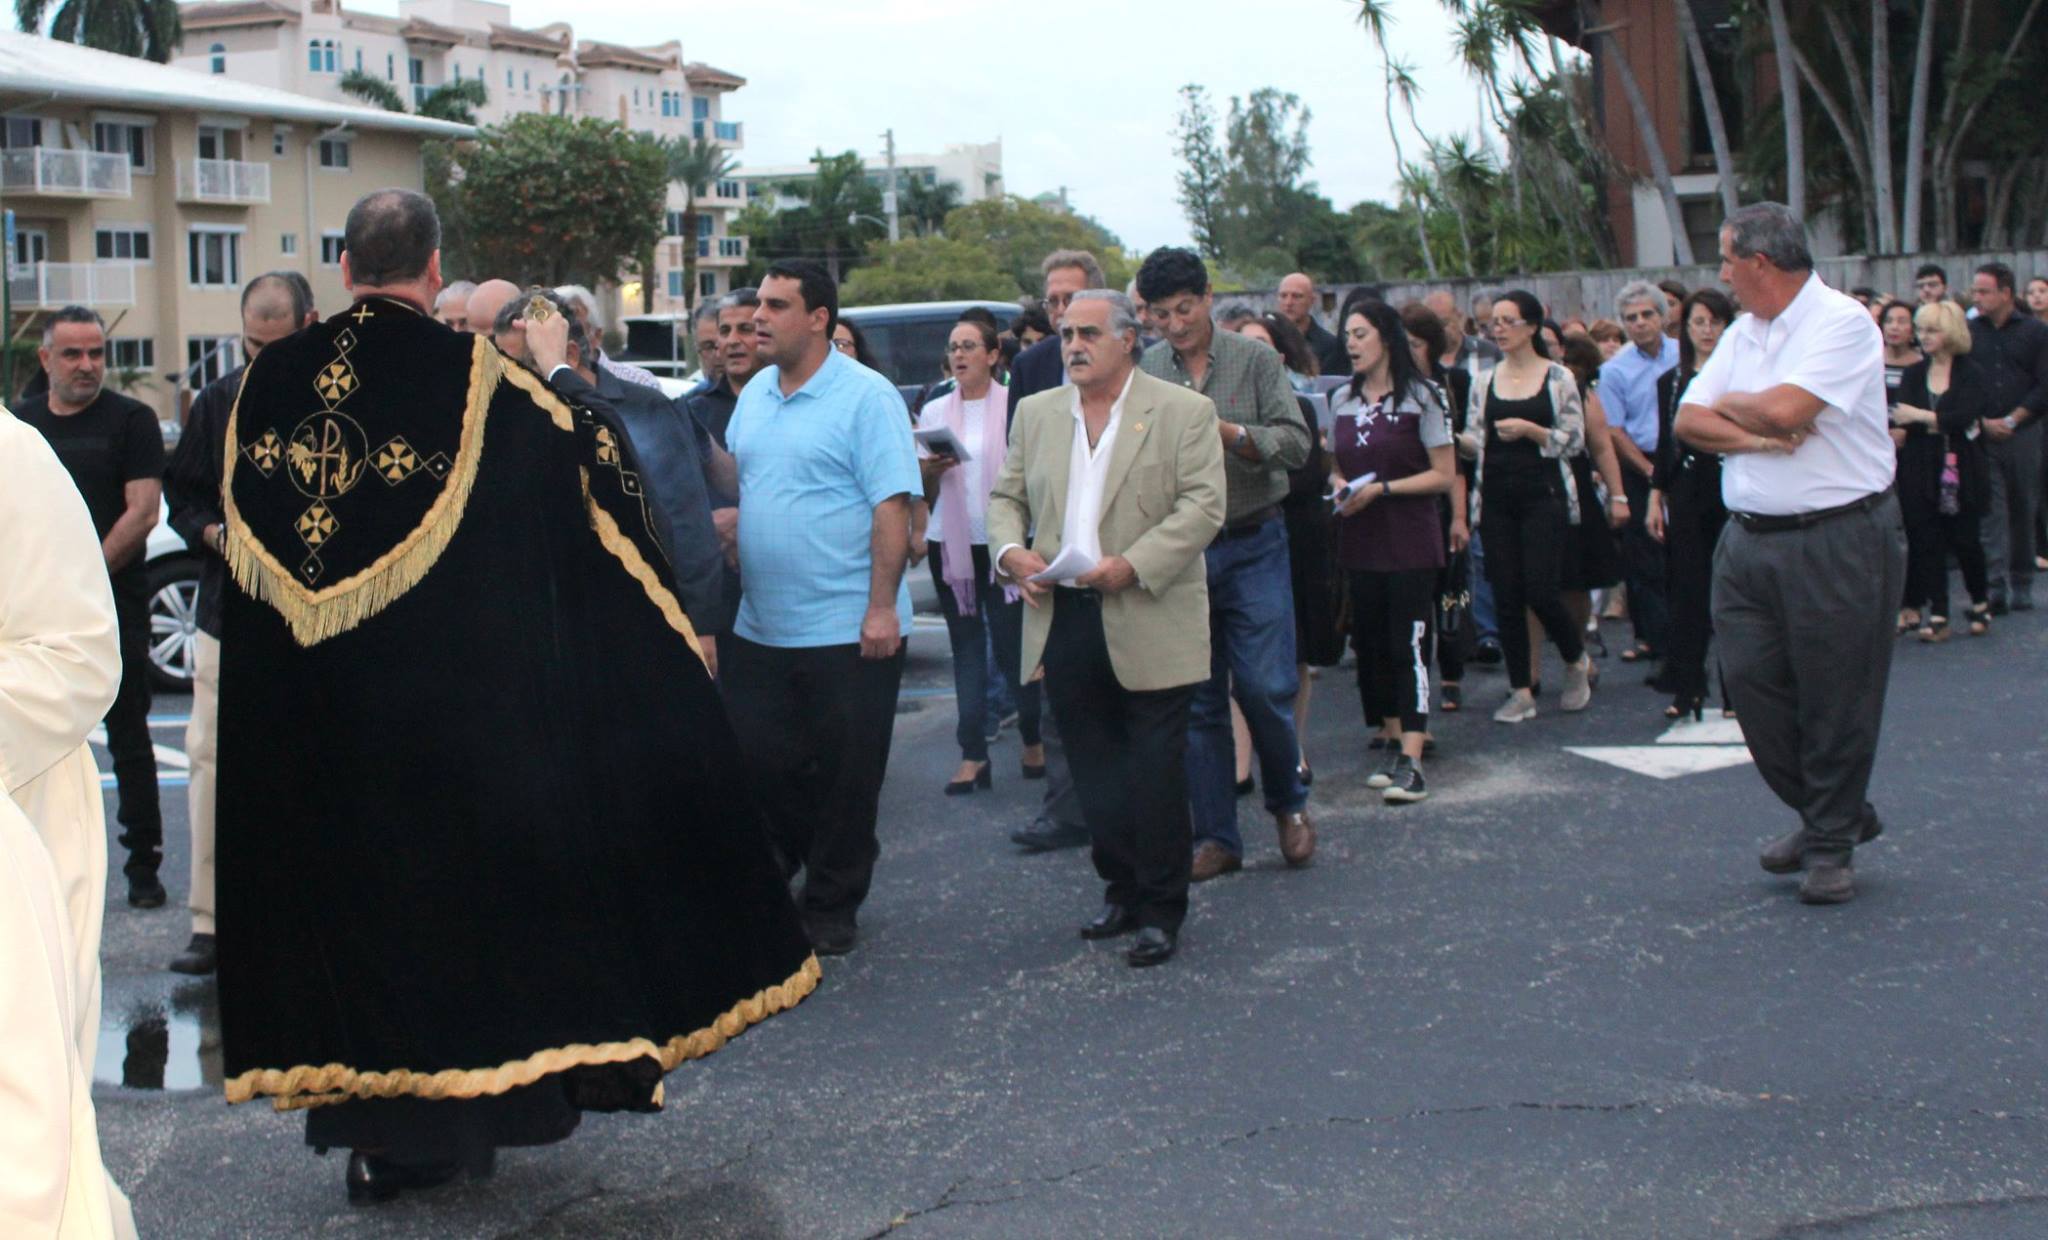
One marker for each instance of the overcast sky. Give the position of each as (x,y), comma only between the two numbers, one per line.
(1082,94)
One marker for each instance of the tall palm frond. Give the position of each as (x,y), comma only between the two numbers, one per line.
(150,29)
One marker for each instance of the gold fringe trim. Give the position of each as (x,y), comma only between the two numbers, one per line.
(316,615)
(303,1087)
(628,555)
(543,395)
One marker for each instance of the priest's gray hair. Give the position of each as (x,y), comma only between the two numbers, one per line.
(576,294)
(1639,291)
(1123,316)
(1769,229)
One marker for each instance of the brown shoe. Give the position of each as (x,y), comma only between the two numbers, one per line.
(1213,860)
(1297,836)
(1828,884)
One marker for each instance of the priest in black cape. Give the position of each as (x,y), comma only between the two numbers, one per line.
(486,857)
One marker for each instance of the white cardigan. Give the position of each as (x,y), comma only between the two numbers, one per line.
(1566,439)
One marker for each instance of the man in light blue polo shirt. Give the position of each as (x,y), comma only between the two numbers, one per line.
(1628,390)
(826,472)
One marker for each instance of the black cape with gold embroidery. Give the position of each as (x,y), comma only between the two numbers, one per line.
(481,817)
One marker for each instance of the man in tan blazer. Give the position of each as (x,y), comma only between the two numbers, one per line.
(1126,472)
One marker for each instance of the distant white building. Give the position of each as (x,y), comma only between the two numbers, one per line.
(306,46)
(976,167)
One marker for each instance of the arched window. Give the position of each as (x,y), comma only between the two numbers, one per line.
(313,55)
(219,52)
(332,57)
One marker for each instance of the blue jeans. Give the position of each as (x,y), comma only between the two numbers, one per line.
(1251,657)
(1002,696)
(1484,628)
(970,636)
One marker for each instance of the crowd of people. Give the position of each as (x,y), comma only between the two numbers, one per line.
(1150,522)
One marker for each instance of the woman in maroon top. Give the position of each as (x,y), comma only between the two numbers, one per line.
(1389,425)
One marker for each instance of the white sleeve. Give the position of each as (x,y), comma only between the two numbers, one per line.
(60,653)
(1838,358)
(1711,383)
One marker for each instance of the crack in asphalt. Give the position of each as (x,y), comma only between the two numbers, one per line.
(948,1199)
(1843,1222)
(533,1225)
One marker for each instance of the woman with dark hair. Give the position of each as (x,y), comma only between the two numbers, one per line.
(1031,326)
(1524,423)
(848,339)
(1391,440)
(1311,533)
(1943,484)
(1901,350)
(976,410)
(1592,560)
(1686,513)
(1428,341)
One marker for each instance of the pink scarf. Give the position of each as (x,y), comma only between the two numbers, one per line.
(957,549)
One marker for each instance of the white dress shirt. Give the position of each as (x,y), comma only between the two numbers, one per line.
(1825,343)
(1087,475)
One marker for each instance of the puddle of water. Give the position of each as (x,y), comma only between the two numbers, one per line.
(171,1044)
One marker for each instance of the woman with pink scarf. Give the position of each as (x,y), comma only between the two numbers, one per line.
(977,412)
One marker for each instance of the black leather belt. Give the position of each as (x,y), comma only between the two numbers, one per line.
(1078,594)
(1251,525)
(1759,523)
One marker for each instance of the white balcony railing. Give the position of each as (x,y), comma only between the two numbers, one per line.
(46,286)
(71,174)
(223,180)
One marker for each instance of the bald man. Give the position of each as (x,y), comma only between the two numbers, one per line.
(273,307)
(1474,353)
(1296,302)
(490,297)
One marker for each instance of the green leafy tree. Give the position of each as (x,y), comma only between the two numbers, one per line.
(925,207)
(150,29)
(840,210)
(694,164)
(1266,157)
(928,269)
(1200,181)
(562,200)
(1019,234)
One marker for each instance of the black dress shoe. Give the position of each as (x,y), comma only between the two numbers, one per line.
(831,938)
(1033,772)
(1113,920)
(1154,946)
(963,787)
(1043,836)
(199,958)
(1247,786)
(372,1179)
(144,891)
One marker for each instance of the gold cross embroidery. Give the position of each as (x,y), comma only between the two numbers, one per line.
(362,312)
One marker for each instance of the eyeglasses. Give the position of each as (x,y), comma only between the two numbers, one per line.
(964,346)
(1499,322)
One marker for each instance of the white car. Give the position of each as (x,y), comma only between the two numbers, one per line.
(173,571)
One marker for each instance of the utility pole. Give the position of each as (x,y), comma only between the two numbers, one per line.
(889,193)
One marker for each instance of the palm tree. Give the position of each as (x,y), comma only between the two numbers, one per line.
(835,198)
(693,164)
(1916,130)
(926,206)
(1400,79)
(150,29)
(1710,103)
(454,101)
(372,90)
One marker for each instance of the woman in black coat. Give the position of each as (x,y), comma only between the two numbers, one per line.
(1686,514)
(1943,485)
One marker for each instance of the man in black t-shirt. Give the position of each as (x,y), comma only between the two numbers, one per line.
(114,451)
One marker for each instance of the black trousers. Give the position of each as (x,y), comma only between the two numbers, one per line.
(1642,561)
(1806,623)
(996,622)
(1392,616)
(1930,539)
(1692,528)
(1524,525)
(1128,750)
(814,724)
(140,815)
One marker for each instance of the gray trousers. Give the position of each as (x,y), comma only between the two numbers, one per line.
(1804,621)
(2015,467)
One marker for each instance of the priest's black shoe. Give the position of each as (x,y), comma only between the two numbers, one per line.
(144,891)
(199,958)
(371,1178)
(831,938)
(1154,946)
(1044,836)
(1113,920)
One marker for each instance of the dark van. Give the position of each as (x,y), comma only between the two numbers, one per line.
(909,340)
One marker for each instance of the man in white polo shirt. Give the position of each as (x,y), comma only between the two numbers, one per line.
(1808,574)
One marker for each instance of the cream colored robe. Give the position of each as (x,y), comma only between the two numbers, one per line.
(60,665)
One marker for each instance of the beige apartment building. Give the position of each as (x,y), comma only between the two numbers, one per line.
(152,194)
(307,46)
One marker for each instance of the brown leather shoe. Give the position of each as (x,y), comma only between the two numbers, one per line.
(1828,884)
(1213,860)
(1297,836)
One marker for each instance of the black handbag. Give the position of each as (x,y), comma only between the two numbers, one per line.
(1454,600)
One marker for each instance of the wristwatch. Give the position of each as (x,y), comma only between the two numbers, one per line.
(1238,442)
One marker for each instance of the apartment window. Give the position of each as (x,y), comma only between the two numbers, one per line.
(636,96)
(334,153)
(675,284)
(219,54)
(131,353)
(288,244)
(313,55)
(700,108)
(390,67)
(526,81)
(674,225)
(728,189)
(21,131)
(707,284)
(121,243)
(359,60)
(125,138)
(207,358)
(704,223)
(732,247)
(330,249)
(215,258)
(277,136)
(508,79)
(323,56)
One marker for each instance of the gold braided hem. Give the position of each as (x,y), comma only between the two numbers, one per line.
(536,388)
(316,615)
(302,1087)
(614,540)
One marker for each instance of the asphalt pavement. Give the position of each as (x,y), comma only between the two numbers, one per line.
(1557,999)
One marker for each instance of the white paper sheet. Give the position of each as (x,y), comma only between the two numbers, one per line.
(1070,563)
(1349,489)
(940,441)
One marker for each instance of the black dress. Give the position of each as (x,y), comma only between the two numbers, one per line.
(1592,561)
(1691,483)
(1942,515)
(1319,610)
